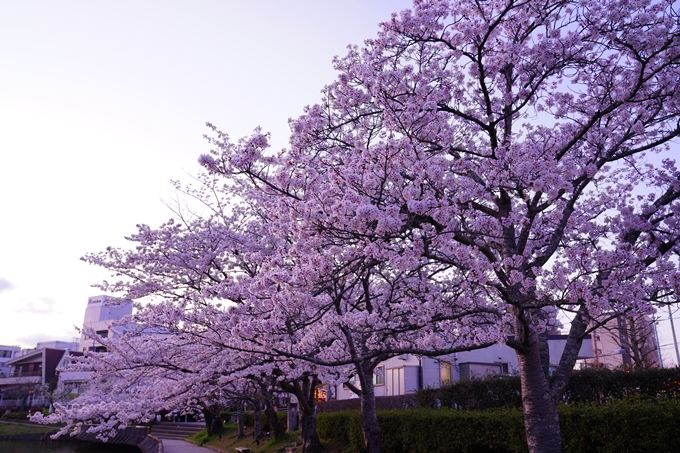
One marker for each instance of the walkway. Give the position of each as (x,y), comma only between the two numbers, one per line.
(182,446)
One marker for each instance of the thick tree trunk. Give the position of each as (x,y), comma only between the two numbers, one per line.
(369,417)
(303,389)
(213,422)
(310,438)
(276,429)
(541,419)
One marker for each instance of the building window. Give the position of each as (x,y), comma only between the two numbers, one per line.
(103,333)
(444,372)
(4,354)
(379,376)
(320,394)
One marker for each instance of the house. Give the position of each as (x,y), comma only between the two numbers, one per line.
(408,373)
(32,374)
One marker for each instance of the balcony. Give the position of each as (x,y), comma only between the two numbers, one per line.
(22,377)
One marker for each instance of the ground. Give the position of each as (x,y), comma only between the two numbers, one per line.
(228,442)
(12,429)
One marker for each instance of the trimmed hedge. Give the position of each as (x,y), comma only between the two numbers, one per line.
(430,430)
(381,402)
(622,427)
(600,385)
(476,394)
(15,416)
(585,386)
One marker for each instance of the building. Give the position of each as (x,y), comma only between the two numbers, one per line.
(33,373)
(100,313)
(408,373)
(625,342)
(7,353)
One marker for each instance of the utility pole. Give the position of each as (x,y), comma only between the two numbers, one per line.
(675,339)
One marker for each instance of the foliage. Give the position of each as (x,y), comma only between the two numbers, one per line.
(590,385)
(7,429)
(15,416)
(623,426)
(474,394)
(425,430)
(601,385)
(381,402)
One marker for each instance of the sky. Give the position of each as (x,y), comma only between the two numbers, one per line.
(103,103)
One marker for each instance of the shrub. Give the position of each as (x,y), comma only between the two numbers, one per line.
(381,402)
(15,416)
(589,385)
(621,426)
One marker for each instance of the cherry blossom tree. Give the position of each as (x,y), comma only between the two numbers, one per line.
(477,168)
(508,141)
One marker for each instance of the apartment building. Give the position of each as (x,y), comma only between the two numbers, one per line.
(100,313)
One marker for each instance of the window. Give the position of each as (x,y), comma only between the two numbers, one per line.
(320,394)
(103,333)
(4,353)
(444,372)
(379,376)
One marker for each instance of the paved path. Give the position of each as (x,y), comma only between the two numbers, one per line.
(182,446)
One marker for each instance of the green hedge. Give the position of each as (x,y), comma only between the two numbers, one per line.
(621,427)
(585,386)
(600,385)
(15,416)
(477,394)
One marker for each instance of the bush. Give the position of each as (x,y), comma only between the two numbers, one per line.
(15,416)
(438,431)
(622,426)
(381,402)
(600,385)
(584,386)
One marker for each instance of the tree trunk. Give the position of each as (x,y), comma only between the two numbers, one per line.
(276,429)
(541,419)
(239,419)
(213,422)
(310,438)
(303,389)
(369,417)
(257,417)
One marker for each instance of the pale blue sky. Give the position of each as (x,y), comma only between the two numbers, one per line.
(102,103)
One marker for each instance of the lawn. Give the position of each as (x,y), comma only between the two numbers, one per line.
(227,441)
(11,429)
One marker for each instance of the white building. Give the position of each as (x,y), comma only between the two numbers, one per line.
(100,313)
(408,373)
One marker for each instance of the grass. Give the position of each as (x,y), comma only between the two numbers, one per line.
(10,429)
(227,441)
